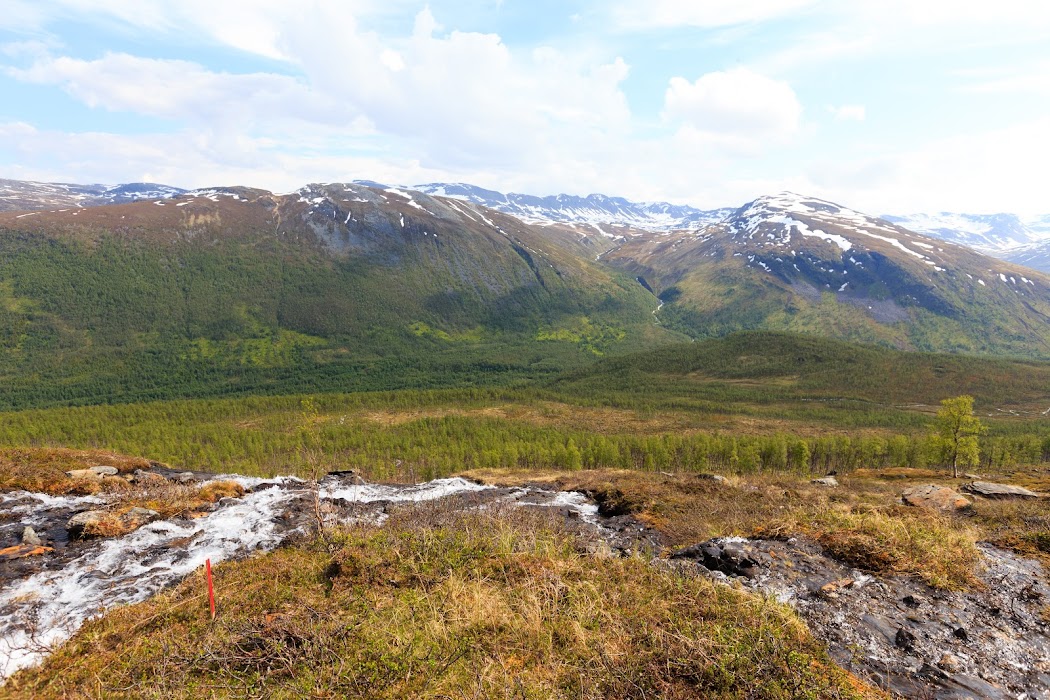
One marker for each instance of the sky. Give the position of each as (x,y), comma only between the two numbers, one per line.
(887,106)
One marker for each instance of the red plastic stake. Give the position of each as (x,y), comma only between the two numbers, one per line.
(211,588)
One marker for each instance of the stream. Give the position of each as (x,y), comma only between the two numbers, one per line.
(45,599)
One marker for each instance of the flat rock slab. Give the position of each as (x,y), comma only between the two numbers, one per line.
(905,637)
(21,551)
(936,497)
(988,489)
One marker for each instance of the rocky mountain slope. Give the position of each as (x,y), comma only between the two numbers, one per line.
(788,262)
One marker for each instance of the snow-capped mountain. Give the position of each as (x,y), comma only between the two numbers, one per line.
(593,210)
(797,263)
(22,195)
(991,233)
(1035,256)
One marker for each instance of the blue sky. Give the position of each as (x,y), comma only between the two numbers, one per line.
(888,106)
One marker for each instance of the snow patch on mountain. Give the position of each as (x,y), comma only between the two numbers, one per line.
(595,210)
(990,233)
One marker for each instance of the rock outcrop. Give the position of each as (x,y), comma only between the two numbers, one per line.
(935,497)
(988,489)
(910,639)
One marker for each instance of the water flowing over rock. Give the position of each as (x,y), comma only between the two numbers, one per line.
(898,634)
(42,605)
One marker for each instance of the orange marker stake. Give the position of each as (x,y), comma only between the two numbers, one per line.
(211,588)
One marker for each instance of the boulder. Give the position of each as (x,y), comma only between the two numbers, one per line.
(105,471)
(717,478)
(989,490)
(826,481)
(29,537)
(935,497)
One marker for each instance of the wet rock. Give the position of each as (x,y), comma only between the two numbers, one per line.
(727,556)
(184,477)
(21,551)
(904,639)
(935,497)
(137,517)
(988,489)
(29,537)
(350,476)
(911,640)
(826,481)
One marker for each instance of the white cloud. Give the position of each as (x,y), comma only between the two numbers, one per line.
(1028,79)
(855,113)
(645,14)
(951,173)
(740,107)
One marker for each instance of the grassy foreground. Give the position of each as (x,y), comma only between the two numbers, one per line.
(444,605)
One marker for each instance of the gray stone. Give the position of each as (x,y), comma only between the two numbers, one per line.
(988,489)
(30,537)
(105,471)
(826,481)
(935,497)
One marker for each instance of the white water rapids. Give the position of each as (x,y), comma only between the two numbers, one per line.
(45,608)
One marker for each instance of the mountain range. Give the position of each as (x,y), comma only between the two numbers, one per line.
(362,286)
(1024,241)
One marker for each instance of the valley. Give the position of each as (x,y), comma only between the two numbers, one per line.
(437,447)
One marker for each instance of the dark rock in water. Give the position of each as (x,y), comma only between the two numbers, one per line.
(726,556)
(907,638)
(988,489)
(935,497)
(350,476)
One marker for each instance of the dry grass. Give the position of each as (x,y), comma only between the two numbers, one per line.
(860,522)
(43,470)
(442,605)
